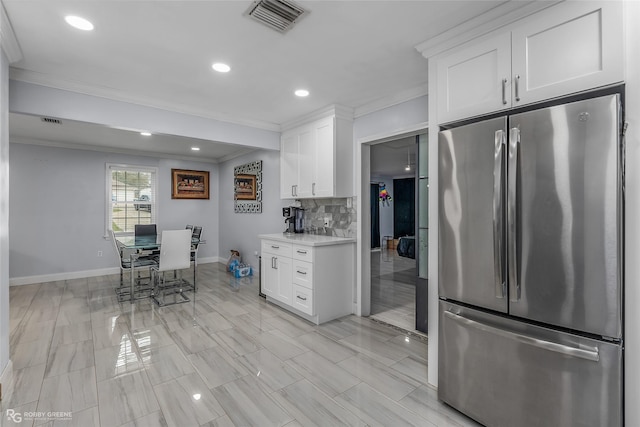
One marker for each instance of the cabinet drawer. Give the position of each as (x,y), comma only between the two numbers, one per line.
(277,248)
(303,273)
(303,299)
(303,253)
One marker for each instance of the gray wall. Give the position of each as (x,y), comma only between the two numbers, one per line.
(387,120)
(240,231)
(57,196)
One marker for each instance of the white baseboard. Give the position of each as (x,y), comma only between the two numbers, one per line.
(29,280)
(6,379)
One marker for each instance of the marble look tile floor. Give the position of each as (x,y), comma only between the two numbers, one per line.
(393,289)
(227,358)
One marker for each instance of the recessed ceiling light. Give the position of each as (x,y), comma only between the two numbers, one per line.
(302,92)
(221,68)
(195,148)
(79,23)
(145,133)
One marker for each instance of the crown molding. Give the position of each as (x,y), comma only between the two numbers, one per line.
(105,149)
(339,111)
(117,95)
(8,40)
(498,17)
(390,101)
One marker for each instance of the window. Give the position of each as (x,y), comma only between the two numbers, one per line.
(131,197)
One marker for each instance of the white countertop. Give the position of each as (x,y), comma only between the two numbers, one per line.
(308,239)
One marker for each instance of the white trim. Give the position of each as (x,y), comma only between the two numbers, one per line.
(116,95)
(363,177)
(44,278)
(109,168)
(29,280)
(8,40)
(6,379)
(498,17)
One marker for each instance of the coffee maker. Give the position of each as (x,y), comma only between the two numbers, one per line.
(294,219)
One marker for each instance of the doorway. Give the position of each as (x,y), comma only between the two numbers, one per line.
(394,273)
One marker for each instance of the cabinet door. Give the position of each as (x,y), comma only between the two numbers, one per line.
(568,48)
(474,79)
(288,164)
(284,290)
(269,274)
(305,162)
(323,158)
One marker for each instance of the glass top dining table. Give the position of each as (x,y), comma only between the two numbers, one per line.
(139,244)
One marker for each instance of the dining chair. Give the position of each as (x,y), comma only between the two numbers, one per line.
(175,255)
(145,230)
(123,255)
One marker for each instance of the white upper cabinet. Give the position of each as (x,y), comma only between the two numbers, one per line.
(315,159)
(474,79)
(564,49)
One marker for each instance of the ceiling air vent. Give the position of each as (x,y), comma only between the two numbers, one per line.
(51,120)
(277,14)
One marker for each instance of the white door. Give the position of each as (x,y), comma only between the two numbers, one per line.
(305,162)
(323,159)
(288,165)
(566,49)
(269,274)
(474,79)
(284,282)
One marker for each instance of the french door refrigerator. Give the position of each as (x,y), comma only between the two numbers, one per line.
(530,270)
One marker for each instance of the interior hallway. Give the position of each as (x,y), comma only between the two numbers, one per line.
(393,289)
(228,358)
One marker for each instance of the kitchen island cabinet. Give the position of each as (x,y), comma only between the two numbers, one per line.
(310,275)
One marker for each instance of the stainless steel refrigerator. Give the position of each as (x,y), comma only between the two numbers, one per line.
(530,271)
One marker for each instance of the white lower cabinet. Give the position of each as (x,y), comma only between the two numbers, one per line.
(315,282)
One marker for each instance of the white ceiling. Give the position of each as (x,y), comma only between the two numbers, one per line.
(159,53)
(390,158)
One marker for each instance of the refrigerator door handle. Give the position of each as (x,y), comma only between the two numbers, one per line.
(512,220)
(591,354)
(498,198)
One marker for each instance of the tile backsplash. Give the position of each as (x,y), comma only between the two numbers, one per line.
(341,219)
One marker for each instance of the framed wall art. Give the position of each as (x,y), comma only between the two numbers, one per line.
(247,187)
(189,184)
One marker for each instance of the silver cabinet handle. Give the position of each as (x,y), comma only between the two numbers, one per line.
(275,247)
(504,91)
(273,262)
(301,252)
(313,189)
(295,193)
(299,297)
(292,191)
(301,272)
(517,88)
(592,354)
(498,197)
(512,219)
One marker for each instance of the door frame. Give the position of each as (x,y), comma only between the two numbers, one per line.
(363,202)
